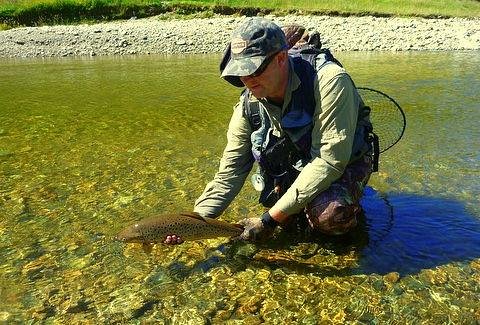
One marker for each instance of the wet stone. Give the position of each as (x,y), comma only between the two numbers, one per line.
(146,308)
(434,276)
(44,312)
(278,275)
(221,316)
(263,275)
(247,250)
(17,206)
(391,277)
(5,153)
(367,317)
(157,277)
(35,251)
(305,249)
(80,306)
(4,316)
(358,279)
(413,284)
(250,305)
(178,271)
(379,285)
(269,307)
(397,290)
(475,265)
(80,263)
(252,320)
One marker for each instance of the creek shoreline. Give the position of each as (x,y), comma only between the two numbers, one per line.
(209,35)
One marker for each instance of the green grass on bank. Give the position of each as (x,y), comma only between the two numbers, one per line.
(45,12)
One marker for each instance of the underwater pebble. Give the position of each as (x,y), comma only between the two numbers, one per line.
(379,285)
(475,265)
(252,320)
(269,306)
(188,316)
(251,305)
(434,276)
(278,275)
(247,250)
(5,153)
(80,263)
(413,284)
(123,201)
(263,275)
(16,206)
(391,277)
(4,316)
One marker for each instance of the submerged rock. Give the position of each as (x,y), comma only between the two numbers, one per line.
(391,277)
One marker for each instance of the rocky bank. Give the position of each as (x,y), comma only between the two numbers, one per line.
(208,35)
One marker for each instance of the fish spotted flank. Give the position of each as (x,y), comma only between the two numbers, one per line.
(189,226)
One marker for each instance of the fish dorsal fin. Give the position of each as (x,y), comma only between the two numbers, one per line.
(211,221)
(193,215)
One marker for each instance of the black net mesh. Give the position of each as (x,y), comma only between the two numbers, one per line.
(386,116)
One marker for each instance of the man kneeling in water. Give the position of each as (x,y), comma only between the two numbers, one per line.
(302,120)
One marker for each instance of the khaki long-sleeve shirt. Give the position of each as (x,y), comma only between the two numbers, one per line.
(334,124)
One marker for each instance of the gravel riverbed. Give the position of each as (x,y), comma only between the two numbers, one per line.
(207,35)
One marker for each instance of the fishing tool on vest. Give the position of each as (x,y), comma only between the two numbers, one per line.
(277,168)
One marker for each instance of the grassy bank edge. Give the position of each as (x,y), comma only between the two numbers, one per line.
(70,11)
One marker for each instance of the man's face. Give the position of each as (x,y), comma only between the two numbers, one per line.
(266,83)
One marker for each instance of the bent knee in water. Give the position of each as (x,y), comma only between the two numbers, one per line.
(336,218)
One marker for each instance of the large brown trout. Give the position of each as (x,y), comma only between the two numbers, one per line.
(189,226)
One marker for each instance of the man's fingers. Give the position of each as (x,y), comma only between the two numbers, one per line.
(173,240)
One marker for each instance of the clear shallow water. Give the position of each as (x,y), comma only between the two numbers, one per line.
(87,146)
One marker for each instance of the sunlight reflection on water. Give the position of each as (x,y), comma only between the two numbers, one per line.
(90,145)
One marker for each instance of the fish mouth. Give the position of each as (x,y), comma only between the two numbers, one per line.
(128,239)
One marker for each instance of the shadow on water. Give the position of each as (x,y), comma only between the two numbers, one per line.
(409,232)
(402,233)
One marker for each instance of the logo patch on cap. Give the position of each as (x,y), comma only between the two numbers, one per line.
(238,45)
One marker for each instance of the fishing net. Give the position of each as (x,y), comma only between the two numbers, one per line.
(386,115)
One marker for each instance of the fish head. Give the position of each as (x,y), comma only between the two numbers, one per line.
(131,234)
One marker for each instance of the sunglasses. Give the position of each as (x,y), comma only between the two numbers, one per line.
(261,69)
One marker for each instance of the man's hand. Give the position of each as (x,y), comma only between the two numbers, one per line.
(173,240)
(258,229)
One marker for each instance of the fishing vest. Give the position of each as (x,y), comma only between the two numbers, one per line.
(281,159)
(297,120)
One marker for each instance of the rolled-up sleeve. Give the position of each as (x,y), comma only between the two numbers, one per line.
(333,133)
(235,165)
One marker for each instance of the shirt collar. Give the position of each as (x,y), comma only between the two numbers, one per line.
(293,84)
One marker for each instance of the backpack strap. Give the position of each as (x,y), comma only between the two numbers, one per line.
(251,111)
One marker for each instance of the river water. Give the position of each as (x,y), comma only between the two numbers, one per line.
(89,145)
